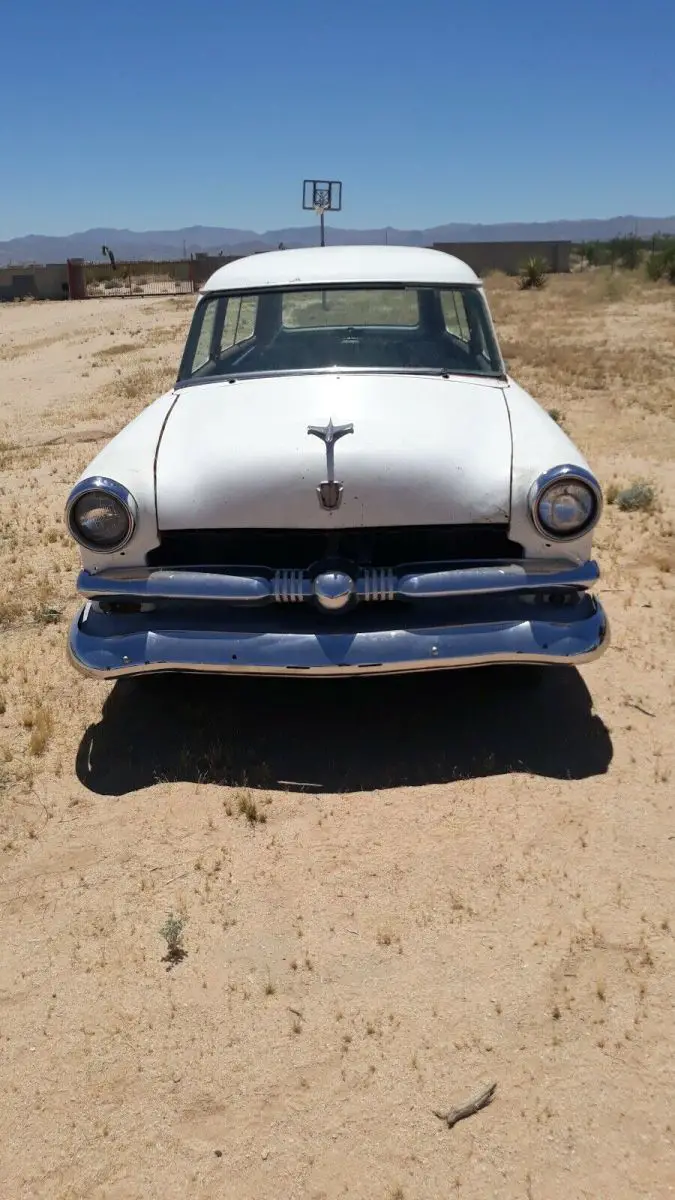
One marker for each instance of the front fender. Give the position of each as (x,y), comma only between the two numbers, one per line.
(538,444)
(130,459)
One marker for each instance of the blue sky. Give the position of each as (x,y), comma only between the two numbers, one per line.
(152,115)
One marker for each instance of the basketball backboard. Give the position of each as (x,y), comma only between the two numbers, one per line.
(322,195)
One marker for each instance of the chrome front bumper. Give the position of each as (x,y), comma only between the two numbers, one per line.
(212,637)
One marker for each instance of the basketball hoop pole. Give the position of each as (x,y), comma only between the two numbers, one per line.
(320,210)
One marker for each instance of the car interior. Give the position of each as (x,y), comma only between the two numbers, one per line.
(274,346)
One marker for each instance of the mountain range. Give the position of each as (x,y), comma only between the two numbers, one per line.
(127,244)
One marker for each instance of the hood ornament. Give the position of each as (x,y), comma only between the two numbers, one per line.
(330,491)
(330,433)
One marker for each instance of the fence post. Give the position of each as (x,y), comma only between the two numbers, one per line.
(77,279)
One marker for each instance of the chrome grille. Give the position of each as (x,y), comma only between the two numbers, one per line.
(377,583)
(288,586)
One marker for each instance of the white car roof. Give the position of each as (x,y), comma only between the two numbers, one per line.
(341,264)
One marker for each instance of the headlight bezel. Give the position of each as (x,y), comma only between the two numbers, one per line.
(566,473)
(99,483)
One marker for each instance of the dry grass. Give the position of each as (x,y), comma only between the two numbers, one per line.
(120,349)
(145,382)
(40,722)
(479,892)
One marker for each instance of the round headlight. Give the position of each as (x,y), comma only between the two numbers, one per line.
(101,515)
(565,503)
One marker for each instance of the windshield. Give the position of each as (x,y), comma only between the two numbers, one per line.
(429,330)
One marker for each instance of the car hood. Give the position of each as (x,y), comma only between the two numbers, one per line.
(424,450)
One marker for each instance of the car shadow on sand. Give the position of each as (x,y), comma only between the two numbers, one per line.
(337,736)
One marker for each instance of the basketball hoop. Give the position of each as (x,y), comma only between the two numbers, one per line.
(321,196)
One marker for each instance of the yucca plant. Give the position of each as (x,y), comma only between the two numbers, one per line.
(533,273)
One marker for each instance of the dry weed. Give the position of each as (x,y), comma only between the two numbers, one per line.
(41,724)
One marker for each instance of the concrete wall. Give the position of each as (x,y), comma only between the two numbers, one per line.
(43,283)
(50,282)
(481,256)
(508,256)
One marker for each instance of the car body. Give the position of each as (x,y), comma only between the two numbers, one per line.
(344,480)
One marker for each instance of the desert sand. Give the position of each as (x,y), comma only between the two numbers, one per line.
(394,892)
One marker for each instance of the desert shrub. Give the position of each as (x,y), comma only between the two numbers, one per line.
(639,497)
(661,263)
(172,932)
(654,267)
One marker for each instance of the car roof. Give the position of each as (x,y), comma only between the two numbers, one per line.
(341,264)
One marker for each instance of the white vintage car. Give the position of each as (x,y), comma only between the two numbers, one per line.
(344,480)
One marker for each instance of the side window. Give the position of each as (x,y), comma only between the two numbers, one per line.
(203,347)
(454,314)
(239,323)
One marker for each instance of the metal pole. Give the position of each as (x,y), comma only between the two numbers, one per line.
(324,298)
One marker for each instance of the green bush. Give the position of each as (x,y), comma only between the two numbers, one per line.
(661,264)
(627,251)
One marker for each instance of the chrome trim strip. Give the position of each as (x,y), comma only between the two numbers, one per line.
(148,584)
(373,584)
(555,475)
(321,653)
(99,483)
(507,577)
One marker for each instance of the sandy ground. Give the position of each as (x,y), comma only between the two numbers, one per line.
(455,883)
